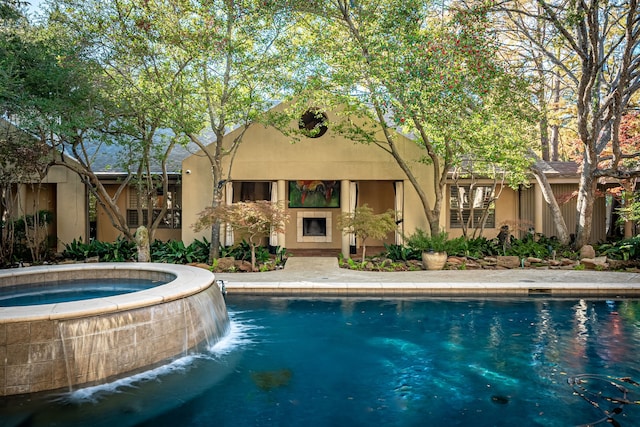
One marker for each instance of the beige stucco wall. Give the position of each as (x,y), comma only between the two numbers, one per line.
(62,193)
(106,232)
(507,212)
(267,155)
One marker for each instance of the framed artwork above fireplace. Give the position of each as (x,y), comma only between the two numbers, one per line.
(314,194)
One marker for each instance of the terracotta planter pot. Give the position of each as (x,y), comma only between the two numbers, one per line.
(434,260)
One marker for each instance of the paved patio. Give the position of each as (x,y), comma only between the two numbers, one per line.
(317,276)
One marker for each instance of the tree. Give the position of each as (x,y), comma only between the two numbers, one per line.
(626,192)
(363,223)
(235,72)
(197,68)
(604,38)
(24,159)
(524,40)
(429,72)
(138,92)
(255,220)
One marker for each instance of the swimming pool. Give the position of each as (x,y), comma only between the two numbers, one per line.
(391,362)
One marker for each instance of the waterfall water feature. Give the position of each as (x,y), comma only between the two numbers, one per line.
(206,318)
(87,342)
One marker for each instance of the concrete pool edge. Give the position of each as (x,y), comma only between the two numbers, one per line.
(322,276)
(428,289)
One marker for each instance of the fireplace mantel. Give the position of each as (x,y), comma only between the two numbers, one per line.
(308,215)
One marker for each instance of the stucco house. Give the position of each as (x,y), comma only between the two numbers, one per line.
(325,174)
(316,179)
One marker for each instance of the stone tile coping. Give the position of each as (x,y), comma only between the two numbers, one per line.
(321,276)
(184,281)
(432,289)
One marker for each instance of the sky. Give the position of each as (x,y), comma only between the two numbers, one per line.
(34,5)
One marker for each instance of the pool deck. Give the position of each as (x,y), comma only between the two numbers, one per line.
(318,276)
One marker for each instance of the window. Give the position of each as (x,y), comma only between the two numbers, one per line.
(473,203)
(173,216)
(313,123)
(251,191)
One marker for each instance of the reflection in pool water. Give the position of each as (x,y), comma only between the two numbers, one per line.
(396,362)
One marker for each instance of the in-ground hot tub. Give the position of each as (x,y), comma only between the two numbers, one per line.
(70,344)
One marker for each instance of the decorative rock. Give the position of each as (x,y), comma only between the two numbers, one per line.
(414,264)
(472,265)
(225,264)
(597,263)
(587,251)
(244,266)
(93,259)
(508,261)
(386,262)
(455,261)
(533,260)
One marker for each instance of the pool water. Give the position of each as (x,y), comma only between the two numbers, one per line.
(395,362)
(70,290)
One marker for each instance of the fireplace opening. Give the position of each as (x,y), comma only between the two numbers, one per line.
(314,226)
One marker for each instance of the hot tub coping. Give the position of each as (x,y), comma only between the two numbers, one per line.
(187,280)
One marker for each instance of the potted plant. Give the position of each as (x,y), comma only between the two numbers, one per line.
(433,248)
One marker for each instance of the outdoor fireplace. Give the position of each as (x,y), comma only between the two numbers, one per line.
(314,227)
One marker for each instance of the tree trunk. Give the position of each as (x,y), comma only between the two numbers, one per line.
(253,256)
(555,129)
(434,226)
(142,244)
(558,219)
(214,244)
(584,208)
(544,135)
(555,142)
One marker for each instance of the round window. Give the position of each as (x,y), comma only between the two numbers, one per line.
(313,123)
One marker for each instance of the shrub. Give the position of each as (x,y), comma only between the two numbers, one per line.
(401,253)
(252,219)
(421,241)
(118,251)
(242,252)
(627,249)
(364,224)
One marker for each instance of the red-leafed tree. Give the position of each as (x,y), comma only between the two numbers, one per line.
(253,220)
(630,144)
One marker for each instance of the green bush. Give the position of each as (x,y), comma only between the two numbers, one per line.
(625,250)
(77,250)
(401,253)
(542,247)
(119,251)
(242,252)
(421,241)
(481,247)
(175,251)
